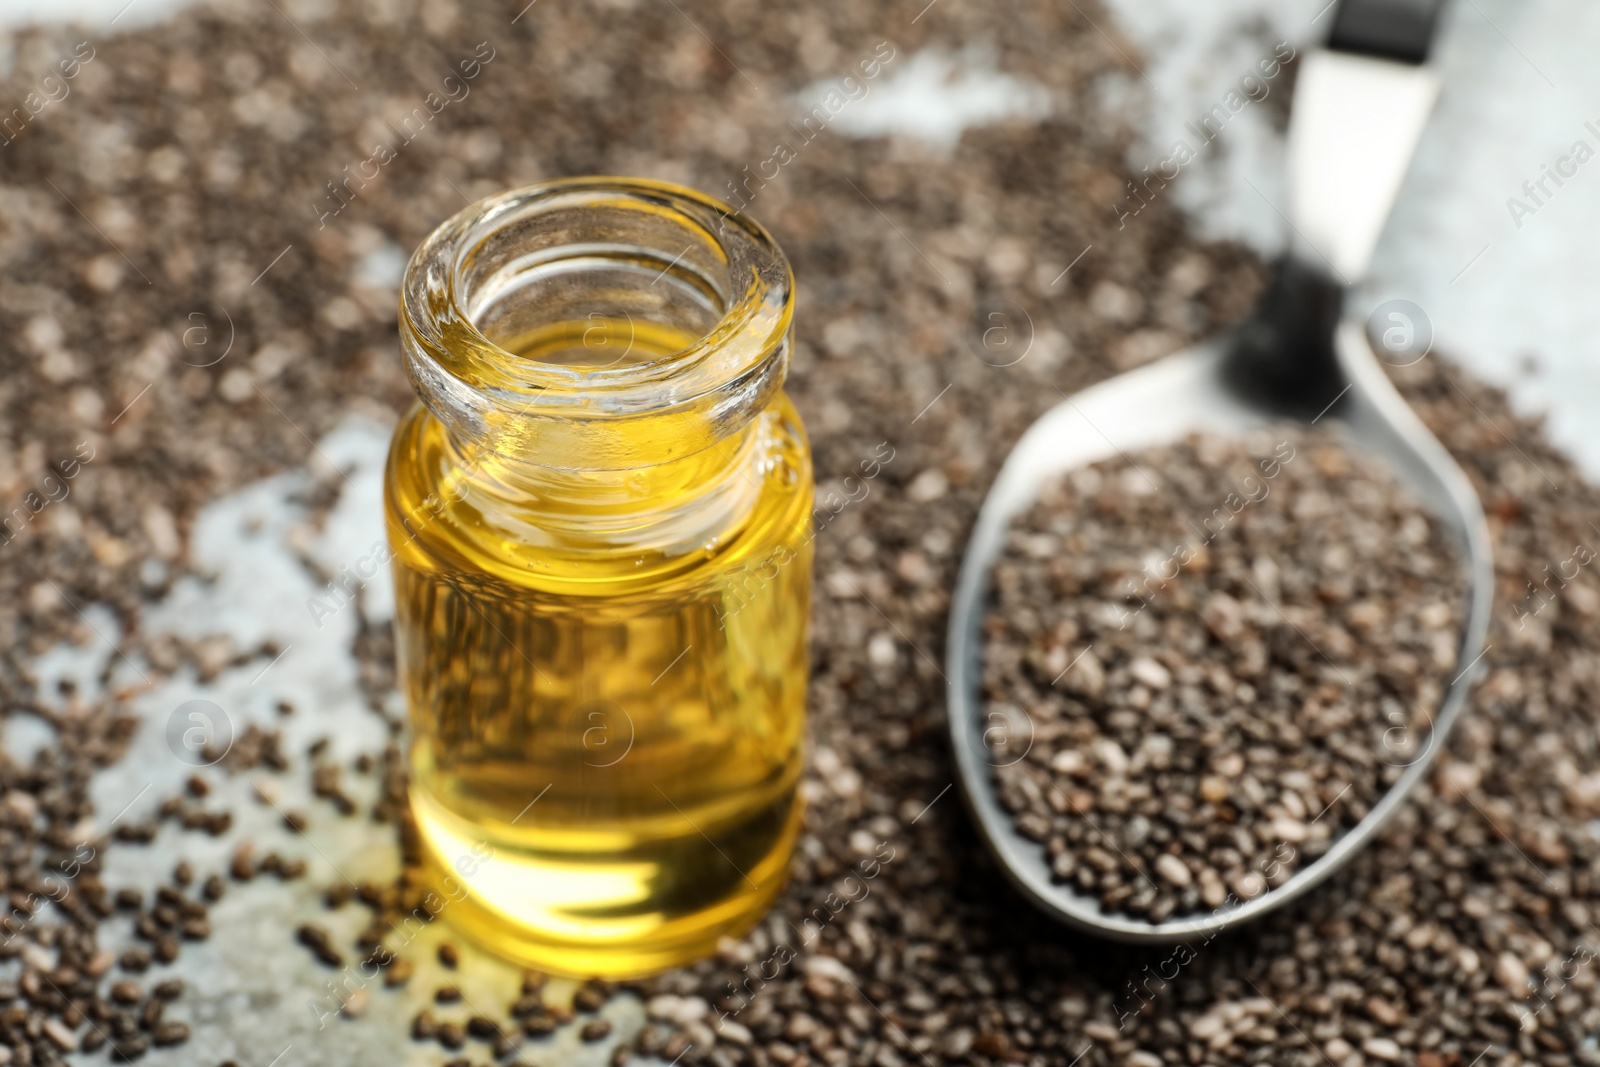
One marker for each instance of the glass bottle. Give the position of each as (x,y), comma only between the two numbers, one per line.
(600,513)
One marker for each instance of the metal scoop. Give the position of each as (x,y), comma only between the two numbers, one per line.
(1359,108)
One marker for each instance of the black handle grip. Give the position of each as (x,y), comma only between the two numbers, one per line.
(1386,29)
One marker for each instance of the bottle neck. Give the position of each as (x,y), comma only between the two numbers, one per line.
(597,324)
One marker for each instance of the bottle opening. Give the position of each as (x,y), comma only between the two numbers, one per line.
(654,286)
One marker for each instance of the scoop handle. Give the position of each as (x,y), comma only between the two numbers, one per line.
(1359,108)
(1400,30)
(1360,104)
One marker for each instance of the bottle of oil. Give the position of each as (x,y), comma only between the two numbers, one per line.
(600,511)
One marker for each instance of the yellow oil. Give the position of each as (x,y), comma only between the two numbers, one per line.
(606,739)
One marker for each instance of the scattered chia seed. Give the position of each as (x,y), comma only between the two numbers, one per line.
(507,1043)
(590,996)
(398,973)
(242,867)
(1413,955)
(451,1035)
(320,943)
(169,1034)
(355,1004)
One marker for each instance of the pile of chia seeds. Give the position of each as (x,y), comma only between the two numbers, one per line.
(1208,660)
